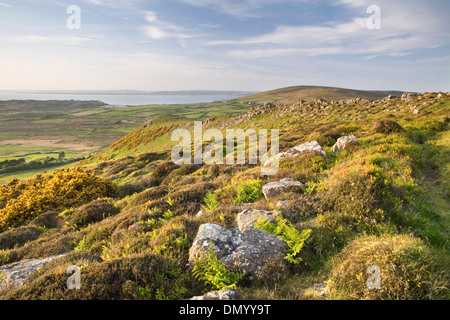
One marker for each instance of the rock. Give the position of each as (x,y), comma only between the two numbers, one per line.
(273,189)
(408,97)
(307,147)
(200,213)
(246,219)
(416,111)
(249,251)
(282,204)
(218,295)
(17,274)
(344,142)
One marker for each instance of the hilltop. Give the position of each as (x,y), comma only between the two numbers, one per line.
(291,95)
(362,187)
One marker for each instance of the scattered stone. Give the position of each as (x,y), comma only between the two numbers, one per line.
(307,147)
(17,274)
(343,142)
(408,96)
(273,189)
(416,111)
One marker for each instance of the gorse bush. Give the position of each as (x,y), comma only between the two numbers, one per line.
(284,230)
(23,201)
(209,269)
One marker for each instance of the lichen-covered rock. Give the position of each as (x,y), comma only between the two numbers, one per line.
(343,142)
(223,241)
(273,189)
(249,251)
(17,274)
(312,146)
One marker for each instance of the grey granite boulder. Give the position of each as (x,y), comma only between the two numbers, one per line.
(273,189)
(248,251)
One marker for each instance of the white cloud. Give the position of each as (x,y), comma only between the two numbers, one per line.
(405,28)
(159,29)
(238,8)
(5,5)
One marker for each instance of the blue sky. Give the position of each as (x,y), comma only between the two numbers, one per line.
(224,45)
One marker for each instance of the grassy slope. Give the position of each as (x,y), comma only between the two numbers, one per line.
(414,164)
(290,95)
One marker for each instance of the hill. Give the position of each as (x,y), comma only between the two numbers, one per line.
(362,220)
(290,95)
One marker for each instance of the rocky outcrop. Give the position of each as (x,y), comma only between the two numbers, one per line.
(17,274)
(273,189)
(312,146)
(246,248)
(344,142)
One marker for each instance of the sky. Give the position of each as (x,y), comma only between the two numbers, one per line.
(246,45)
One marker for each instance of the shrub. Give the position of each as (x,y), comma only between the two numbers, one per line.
(18,237)
(163,170)
(300,206)
(49,220)
(129,189)
(407,270)
(209,269)
(93,212)
(44,192)
(387,126)
(284,230)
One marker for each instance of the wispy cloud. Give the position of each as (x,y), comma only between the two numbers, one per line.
(60,40)
(160,29)
(404,29)
(239,8)
(5,5)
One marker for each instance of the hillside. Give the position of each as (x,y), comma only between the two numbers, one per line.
(337,213)
(290,95)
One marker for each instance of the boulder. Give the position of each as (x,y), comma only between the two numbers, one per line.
(312,146)
(248,251)
(344,142)
(246,219)
(273,189)
(17,274)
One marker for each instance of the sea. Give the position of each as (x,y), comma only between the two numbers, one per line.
(122,99)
